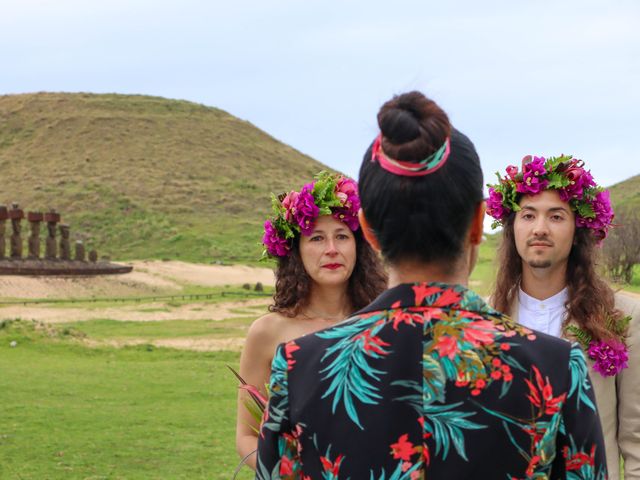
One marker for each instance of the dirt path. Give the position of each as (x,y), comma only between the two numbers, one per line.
(197,344)
(138,313)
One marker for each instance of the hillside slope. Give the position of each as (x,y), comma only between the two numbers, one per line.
(145,177)
(626,194)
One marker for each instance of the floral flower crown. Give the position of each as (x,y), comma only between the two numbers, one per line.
(565,174)
(296,212)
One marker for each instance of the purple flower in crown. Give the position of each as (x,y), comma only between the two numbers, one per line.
(494,205)
(609,356)
(601,205)
(347,192)
(348,217)
(579,180)
(274,244)
(305,211)
(532,183)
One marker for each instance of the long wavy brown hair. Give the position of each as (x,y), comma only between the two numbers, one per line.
(591,301)
(293,283)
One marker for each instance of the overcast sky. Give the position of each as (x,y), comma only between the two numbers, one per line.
(544,77)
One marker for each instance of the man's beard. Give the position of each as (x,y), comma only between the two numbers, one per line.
(539,263)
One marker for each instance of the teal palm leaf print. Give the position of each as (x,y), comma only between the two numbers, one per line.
(263,473)
(446,424)
(443,423)
(579,378)
(397,474)
(278,391)
(350,373)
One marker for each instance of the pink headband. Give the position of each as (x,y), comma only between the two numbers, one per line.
(411,169)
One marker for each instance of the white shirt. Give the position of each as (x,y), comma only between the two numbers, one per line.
(543,315)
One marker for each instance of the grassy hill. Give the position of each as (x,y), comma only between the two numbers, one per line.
(145,177)
(626,194)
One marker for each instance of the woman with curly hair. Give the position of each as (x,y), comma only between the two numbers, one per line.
(325,272)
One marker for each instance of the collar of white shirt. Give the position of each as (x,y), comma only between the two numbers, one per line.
(535,305)
(543,315)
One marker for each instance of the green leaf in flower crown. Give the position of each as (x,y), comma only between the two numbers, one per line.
(584,210)
(553,163)
(281,224)
(510,196)
(557,180)
(276,206)
(324,193)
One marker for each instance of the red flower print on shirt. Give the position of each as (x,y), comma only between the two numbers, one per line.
(447,346)
(289,348)
(541,394)
(423,291)
(403,448)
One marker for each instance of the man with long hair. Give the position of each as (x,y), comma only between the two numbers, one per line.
(554,217)
(427,381)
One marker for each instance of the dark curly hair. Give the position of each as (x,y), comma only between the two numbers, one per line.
(293,283)
(591,301)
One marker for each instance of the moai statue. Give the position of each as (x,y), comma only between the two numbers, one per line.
(93,256)
(51,248)
(35,218)
(4,215)
(65,245)
(80,256)
(16,215)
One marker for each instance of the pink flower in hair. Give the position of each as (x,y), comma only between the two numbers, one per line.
(579,178)
(495,208)
(305,210)
(532,173)
(347,193)
(512,171)
(288,203)
(274,244)
(603,210)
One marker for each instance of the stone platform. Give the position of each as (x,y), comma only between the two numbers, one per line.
(59,267)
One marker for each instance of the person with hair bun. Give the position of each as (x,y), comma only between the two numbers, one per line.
(325,272)
(428,381)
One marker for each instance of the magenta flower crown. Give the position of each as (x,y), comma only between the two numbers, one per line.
(567,175)
(295,213)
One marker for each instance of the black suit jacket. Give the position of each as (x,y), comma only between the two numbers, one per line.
(429,382)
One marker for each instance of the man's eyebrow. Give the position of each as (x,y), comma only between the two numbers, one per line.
(552,209)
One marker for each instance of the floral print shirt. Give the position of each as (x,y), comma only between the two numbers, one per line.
(430,382)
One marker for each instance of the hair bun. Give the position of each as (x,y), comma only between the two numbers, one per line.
(412,126)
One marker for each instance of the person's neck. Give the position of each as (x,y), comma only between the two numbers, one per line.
(411,272)
(331,303)
(543,283)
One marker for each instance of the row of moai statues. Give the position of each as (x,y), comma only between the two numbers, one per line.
(52,245)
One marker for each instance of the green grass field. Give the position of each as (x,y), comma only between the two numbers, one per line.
(72,412)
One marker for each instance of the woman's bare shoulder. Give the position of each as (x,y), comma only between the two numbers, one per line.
(269,321)
(275,328)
